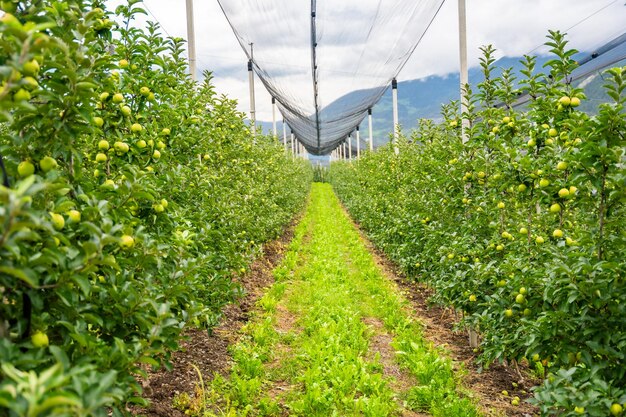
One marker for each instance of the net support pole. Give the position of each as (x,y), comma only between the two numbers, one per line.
(358,143)
(285,135)
(293,145)
(394,95)
(464,76)
(370,125)
(191,40)
(274,116)
(252,103)
(349,146)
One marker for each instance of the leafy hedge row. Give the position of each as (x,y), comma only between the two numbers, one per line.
(132,199)
(522,227)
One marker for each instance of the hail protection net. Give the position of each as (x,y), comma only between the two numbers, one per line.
(328,62)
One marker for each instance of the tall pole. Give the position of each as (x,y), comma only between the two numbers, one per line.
(369,116)
(251,80)
(394,94)
(274,115)
(293,145)
(463,68)
(191,40)
(358,143)
(349,139)
(284,134)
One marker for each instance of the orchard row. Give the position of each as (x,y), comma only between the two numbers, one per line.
(132,200)
(522,228)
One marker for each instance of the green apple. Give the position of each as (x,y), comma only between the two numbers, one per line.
(25,169)
(73,216)
(555,208)
(108,185)
(103,145)
(158,208)
(539,240)
(21,95)
(98,121)
(561,166)
(126,111)
(565,101)
(127,242)
(552,132)
(472,298)
(563,193)
(501,205)
(144,91)
(118,98)
(31,68)
(164,203)
(121,147)
(39,339)
(166,131)
(520,299)
(575,101)
(508,313)
(521,188)
(123,63)
(105,95)
(136,128)
(101,157)
(156,154)
(523,231)
(544,183)
(616,409)
(47,164)
(141,144)
(58,221)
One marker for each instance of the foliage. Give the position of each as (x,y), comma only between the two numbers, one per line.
(133,199)
(309,350)
(521,228)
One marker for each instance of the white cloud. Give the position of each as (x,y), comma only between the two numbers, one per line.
(514,27)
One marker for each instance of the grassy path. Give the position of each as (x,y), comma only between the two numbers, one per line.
(332,337)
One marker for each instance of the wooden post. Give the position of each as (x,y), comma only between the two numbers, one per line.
(252,104)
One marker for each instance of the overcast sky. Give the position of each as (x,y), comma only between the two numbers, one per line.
(514,27)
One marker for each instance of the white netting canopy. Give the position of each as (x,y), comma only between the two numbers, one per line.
(328,62)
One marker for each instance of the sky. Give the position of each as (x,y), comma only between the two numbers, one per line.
(513,27)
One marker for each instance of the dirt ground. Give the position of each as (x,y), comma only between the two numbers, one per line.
(439,328)
(210,352)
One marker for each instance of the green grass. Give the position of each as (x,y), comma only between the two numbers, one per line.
(326,288)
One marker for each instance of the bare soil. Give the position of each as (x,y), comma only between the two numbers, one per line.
(440,328)
(209,352)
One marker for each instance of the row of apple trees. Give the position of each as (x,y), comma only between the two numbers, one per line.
(522,228)
(131,200)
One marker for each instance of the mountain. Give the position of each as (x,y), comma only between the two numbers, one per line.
(423,98)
